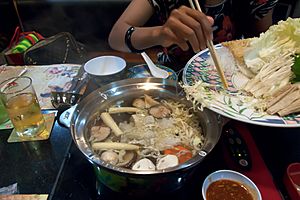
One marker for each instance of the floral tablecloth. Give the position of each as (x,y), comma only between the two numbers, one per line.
(46,78)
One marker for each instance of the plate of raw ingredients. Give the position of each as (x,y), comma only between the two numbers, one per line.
(263,75)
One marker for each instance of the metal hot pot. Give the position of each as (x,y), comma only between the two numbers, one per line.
(137,182)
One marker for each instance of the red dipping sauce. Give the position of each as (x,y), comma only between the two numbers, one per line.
(227,190)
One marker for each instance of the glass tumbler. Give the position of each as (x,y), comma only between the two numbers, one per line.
(19,98)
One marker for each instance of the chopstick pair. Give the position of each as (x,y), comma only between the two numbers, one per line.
(212,50)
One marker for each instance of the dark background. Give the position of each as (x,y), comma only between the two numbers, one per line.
(90,21)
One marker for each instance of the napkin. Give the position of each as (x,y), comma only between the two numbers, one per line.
(49,119)
(6,125)
(24,197)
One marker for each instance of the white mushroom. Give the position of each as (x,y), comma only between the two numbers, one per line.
(167,161)
(99,133)
(143,164)
(139,103)
(160,111)
(110,157)
(127,159)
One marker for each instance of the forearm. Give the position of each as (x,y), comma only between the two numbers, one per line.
(183,26)
(146,37)
(141,38)
(137,14)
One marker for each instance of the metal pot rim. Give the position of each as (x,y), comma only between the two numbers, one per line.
(104,93)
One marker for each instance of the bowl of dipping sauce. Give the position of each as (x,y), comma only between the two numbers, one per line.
(229,185)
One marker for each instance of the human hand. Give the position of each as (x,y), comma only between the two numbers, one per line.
(186,25)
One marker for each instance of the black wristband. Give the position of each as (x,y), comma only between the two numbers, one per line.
(128,40)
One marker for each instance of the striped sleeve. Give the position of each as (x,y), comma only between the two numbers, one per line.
(259,8)
(163,8)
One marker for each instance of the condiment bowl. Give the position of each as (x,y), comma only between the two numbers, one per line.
(105,69)
(231,176)
(105,65)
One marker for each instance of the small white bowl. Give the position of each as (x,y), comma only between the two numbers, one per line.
(105,65)
(233,176)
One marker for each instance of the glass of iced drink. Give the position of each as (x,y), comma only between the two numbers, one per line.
(19,98)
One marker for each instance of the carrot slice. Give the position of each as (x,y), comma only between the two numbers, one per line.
(181,152)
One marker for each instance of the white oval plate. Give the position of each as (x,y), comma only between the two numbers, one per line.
(231,105)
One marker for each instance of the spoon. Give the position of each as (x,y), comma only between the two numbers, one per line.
(155,71)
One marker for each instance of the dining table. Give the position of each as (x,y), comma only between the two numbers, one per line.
(56,168)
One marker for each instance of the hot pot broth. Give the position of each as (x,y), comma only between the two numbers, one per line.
(146,141)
